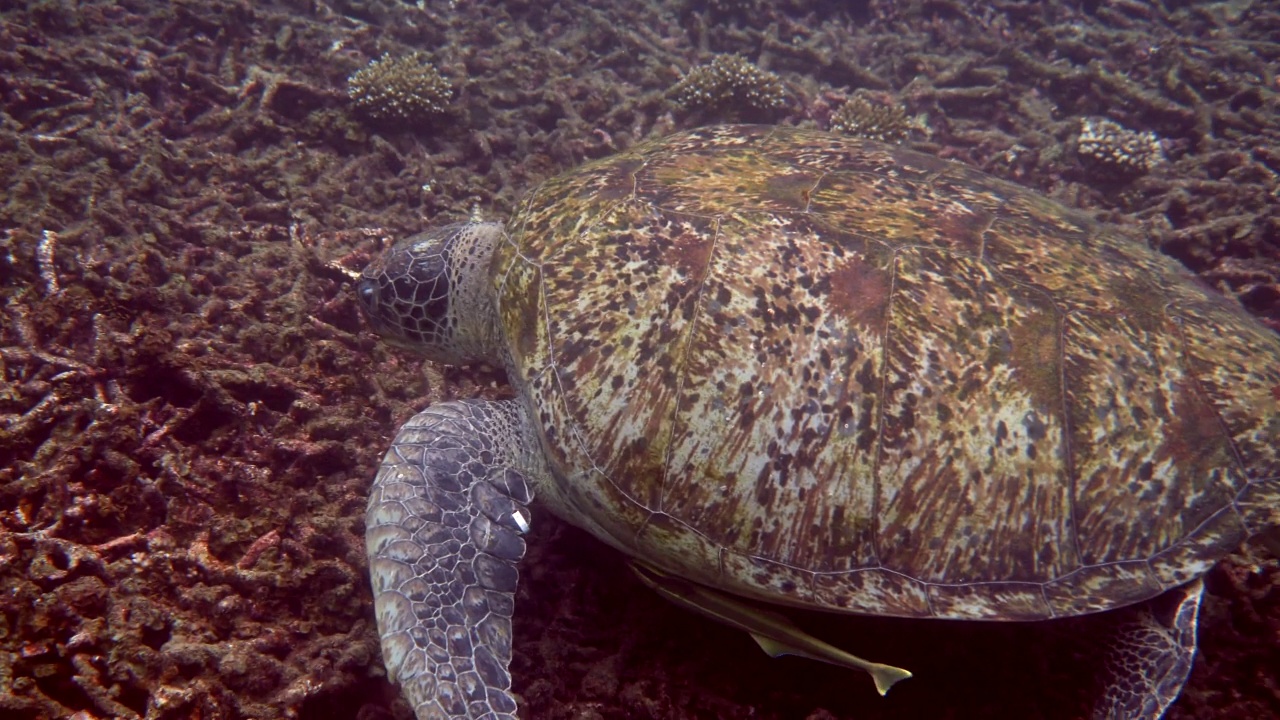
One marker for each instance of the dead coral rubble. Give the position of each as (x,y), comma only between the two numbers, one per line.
(179,505)
(137,465)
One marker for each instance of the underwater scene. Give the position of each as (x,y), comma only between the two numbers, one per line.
(684,349)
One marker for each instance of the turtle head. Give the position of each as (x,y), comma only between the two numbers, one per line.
(430,293)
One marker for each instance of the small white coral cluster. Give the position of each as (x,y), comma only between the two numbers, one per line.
(728,79)
(403,88)
(1112,146)
(864,118)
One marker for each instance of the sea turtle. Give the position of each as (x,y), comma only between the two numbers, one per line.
(780,366)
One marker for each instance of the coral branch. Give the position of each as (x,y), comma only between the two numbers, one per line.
(44,258)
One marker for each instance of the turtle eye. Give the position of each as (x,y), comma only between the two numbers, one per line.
(367,290)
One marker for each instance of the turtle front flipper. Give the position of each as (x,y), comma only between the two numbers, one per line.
(444,533)
(1150,655)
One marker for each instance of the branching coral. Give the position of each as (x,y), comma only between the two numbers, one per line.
(728,80)
(875,121)
(399,89)
(1111,147)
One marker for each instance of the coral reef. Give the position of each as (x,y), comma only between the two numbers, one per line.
(191,410)
(404,88)
(1108,146)
(864,118)
(730,81)
(723,9)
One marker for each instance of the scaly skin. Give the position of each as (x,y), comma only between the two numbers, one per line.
(447,512)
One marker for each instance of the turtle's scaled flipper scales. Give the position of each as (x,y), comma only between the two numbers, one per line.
(1150,654)
(444,533)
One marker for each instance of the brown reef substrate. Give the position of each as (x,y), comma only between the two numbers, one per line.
(192,408)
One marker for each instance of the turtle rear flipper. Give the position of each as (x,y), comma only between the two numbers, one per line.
(1150,655)
(444,533)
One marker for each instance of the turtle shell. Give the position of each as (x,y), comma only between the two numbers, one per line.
(831,373)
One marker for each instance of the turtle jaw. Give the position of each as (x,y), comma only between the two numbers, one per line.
(430,293)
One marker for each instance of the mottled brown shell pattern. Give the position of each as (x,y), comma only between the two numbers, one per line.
(837,374)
